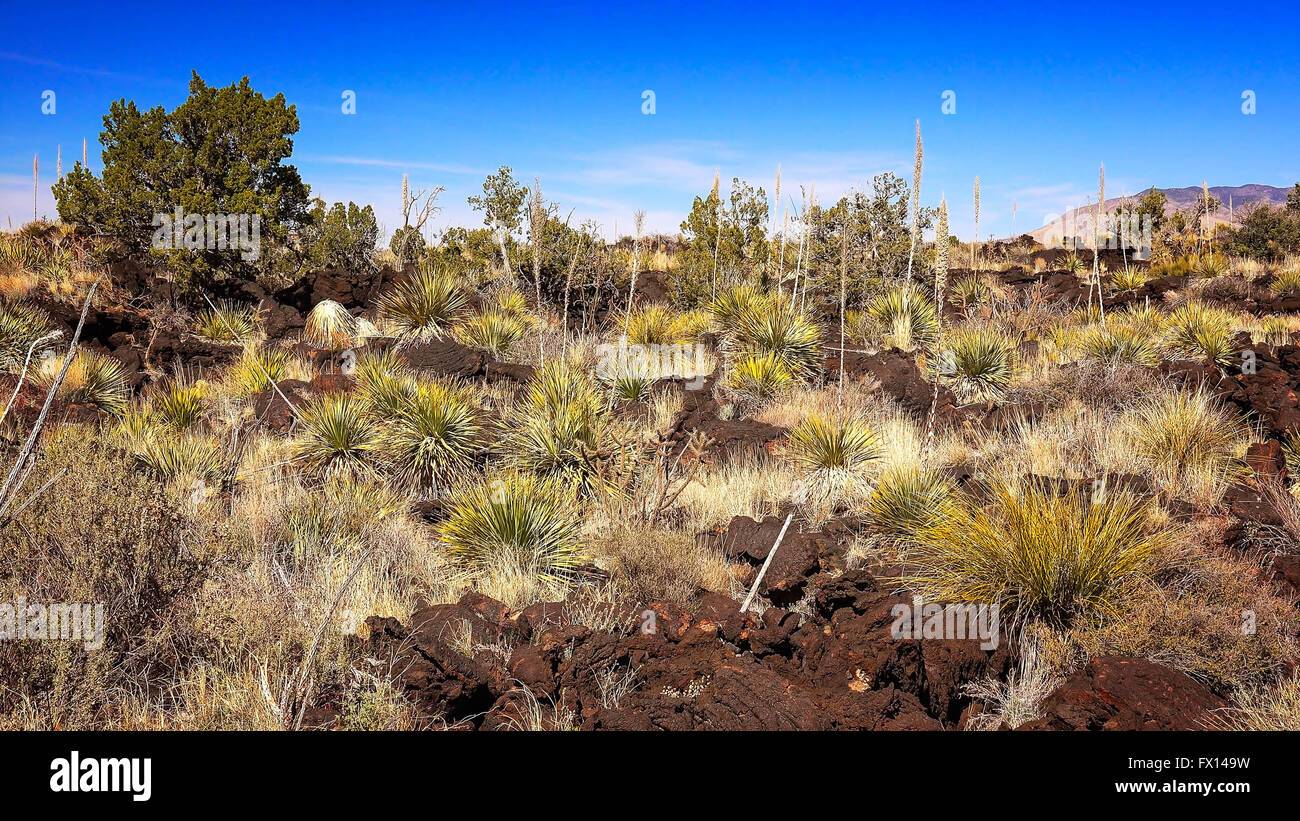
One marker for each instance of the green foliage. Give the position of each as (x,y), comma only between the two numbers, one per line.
(20,326)
(92,379)
(1195,330)
(779,328)
(341,238)
(433,437)
(230,322)
(256,369)
(725,242)
(423,306)
(908,317)
(984,362)
(491,331)
(760,375)
(516,521)
(222,151)
(906,500)
(337,438)
(1037,550)
(1120,344)
(562,429)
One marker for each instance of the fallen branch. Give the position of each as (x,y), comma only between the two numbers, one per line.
(763,570)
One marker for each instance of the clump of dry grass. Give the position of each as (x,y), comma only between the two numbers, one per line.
(651,565)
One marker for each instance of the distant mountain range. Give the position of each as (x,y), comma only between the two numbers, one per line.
(1181,199)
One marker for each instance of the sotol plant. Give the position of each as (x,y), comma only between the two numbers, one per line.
(424,306)
(434,437)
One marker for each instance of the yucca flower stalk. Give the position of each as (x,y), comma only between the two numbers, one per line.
(916,201)
(1096,243)
(975,243)
(940,289)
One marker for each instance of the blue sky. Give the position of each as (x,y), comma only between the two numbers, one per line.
(447,92)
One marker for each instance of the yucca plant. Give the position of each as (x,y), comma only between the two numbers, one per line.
(833,456)
(1209,266)
(256,369)
(20,326)
(780,329)
(1036,550)
(983,363)
(337,437)
(630,385)
(1129,279)
(228,322)
(1198,331)
(183,456)
(424,306)
(1144,317)
(1072,264)
(492,331)
(908,316)
(563,430)
(760,376)
(907,499)
(511,303)
(341,517)
(652,325)
(330,327)
(689,325)
(1275,330)
(179,405)
(1120,344)
(1286,280)
(1177,432)
(518,521)
(436,436)
(972,290)
(729,304)
(92,379)
(384,385)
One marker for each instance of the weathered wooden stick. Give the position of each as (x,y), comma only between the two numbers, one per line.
(763,570)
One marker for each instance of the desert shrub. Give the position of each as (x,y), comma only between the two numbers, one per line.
(908,317)
(1120,344)
(1198,331)
(1263,708)
(1274,330)
(905,500)
(760,376)
(779,329)
(653,565)
(1129,279)
(329,326)
(187,457)
(983,363)
(257,369)
(1177,433)
(424,306)
(103,533)
(433,437)
(731,302)
(653,325)
(20,326)
(1037,551)
(493,331)
(1287,279)
(227,322)
(337,437)
(629,385)
(562,429)
(92,379)
(178,405)
(1209,266)
(516,521)
(833,456)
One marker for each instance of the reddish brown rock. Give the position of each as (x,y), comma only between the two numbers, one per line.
(1120,693)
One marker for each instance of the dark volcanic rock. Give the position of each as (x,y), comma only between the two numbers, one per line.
(1119,693)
